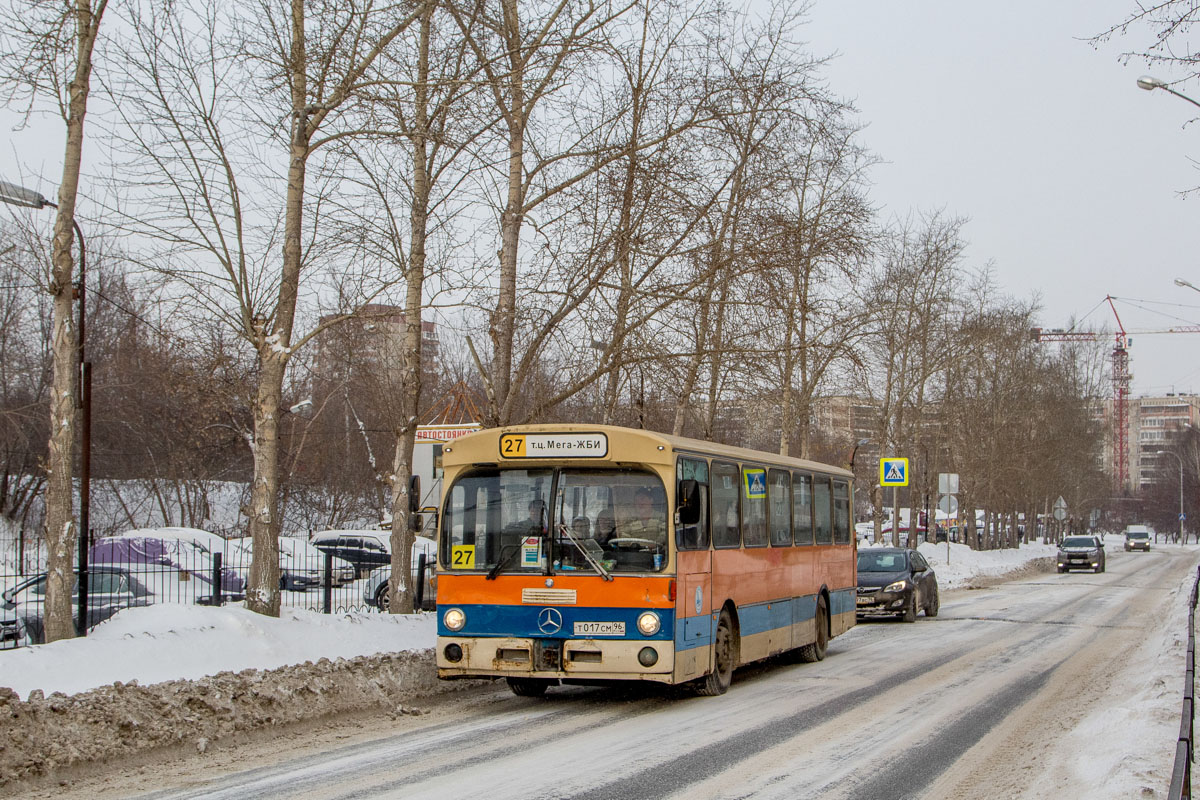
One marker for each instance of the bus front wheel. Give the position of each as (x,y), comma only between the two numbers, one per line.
(725,644)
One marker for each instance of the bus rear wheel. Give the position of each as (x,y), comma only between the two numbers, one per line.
(528,687)
(816,650)
(725,646)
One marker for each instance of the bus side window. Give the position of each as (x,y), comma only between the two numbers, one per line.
(802,522)
(693,537)
(754,506)
(780,507)
(723,498)
(841,512)
(822,510)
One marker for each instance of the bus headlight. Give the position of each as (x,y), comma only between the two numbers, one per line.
(648,623)
(455,619)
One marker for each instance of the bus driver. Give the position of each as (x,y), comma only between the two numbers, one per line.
(649,523)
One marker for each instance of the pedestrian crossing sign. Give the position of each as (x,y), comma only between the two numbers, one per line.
(893,472)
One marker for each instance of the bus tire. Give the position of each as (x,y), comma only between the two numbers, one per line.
(725,646)
(815,651)
(528,687)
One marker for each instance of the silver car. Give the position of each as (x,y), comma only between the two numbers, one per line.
(376,588)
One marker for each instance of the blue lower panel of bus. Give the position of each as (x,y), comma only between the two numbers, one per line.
(762,617)
(553,622)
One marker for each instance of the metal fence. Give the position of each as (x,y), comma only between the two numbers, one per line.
(129,572)
(1185,752)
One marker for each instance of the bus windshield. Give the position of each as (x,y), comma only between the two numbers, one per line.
(508,517)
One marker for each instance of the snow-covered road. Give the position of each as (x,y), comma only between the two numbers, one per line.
(1056,685)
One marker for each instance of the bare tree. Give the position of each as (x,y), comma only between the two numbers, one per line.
(47,54)
(207,92)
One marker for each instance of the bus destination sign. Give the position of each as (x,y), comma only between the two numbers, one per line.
(554,445)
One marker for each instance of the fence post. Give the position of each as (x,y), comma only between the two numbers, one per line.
(327,584)
(217,599)
(420,591)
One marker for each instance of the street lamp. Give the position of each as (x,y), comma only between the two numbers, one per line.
(1182,282)
(14,195)
(854,452)
(1178,458)
(1150,83)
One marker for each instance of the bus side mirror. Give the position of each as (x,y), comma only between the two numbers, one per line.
(414,494)
(687,500)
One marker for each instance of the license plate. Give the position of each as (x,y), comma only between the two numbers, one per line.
(865,601)
(599,628)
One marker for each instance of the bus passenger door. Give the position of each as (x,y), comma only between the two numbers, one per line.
(694,611)
(693,603)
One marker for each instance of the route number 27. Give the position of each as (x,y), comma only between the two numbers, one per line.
(512,446)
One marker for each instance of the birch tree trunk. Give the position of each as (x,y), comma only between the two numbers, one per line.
(61,529)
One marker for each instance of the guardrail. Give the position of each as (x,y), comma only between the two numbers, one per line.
(1181,773)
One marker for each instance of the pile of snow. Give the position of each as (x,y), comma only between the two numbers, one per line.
(168,641)
(956,565)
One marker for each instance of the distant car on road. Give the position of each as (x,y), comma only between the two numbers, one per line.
(1081,552)
(1137,537)
(110,589)
(896,580)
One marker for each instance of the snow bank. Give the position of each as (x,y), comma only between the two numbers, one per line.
(960,566)
(173,641)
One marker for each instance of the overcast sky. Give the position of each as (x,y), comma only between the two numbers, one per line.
(1070,175)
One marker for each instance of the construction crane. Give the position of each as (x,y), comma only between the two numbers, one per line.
(1121,378)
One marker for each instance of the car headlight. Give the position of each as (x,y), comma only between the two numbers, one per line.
(455,619)
(648,623)
(898,586)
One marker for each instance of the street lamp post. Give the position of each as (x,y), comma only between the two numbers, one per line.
(1150,83)
(1178,458)
(1188,284)
(15,195)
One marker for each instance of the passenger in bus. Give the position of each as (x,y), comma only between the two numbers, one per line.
(581,527)
(649,523)
(606,525)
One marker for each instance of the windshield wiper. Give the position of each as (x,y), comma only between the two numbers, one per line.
(596,565)
(503,561)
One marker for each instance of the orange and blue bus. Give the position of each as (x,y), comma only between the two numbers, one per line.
(594,554)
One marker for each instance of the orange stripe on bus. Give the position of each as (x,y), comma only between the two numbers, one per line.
(591,590)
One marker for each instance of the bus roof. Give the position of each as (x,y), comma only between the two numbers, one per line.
(484,446)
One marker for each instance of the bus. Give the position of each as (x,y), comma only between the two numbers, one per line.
(594,554)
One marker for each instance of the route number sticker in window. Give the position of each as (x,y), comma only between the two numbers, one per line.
(462,556)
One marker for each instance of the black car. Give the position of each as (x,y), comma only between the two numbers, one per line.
(366,550)
(110,589)
(1081,552)
(896,580)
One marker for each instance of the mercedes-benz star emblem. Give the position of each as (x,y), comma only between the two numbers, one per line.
(549,621)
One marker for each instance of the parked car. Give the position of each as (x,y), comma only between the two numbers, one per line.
(173,569)
(301,565)
(375,590)
(1081,552)
(896,580)
(366,550)
(110,589)
(1137,537)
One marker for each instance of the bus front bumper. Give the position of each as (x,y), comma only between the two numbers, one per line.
(564,659)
